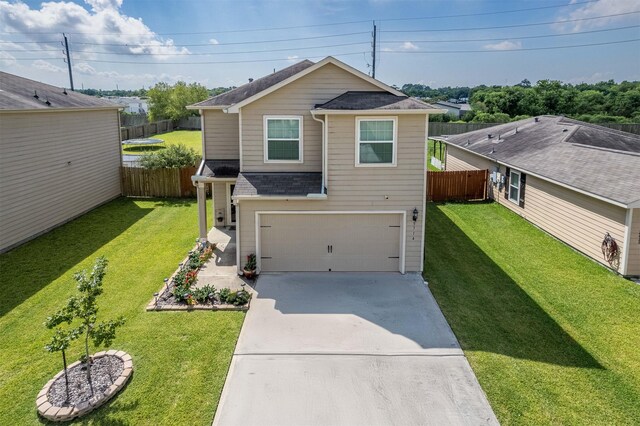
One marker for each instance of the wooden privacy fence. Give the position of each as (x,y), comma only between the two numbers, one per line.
(141,182)
(457,186)
(146,130)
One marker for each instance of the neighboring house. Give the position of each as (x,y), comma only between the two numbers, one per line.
(320,168)
(131,104)
(59,157)
(457,109)
(575,180)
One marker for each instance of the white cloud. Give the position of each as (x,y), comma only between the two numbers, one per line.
(213,41)
(293,58)
(104,24)
(46,66)
(504,45)
(403,47)
(598,8)
(593,78)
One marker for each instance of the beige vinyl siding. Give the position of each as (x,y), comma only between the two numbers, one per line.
(577,219)
(39,188)
(221,135)
(297,99)
(219,202)
(353,188)
(634,245)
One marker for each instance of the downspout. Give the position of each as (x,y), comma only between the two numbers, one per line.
(324,150)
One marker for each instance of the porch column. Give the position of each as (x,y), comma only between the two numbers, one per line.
(202,211)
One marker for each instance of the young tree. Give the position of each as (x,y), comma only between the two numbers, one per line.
(60,342)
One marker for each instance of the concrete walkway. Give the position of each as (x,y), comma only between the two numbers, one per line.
(221,271)
(348,349)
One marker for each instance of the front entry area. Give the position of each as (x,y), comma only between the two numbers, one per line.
(340,242)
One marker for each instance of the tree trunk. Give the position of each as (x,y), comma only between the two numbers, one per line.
(88,360)
(66,377)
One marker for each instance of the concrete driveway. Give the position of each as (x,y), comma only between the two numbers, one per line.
(348,349)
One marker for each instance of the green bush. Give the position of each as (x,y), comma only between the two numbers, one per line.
(173,157)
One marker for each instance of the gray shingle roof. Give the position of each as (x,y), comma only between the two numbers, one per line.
(592,158)
(221,168)
(17,93)
(356,100)
(245,91)
(278,184)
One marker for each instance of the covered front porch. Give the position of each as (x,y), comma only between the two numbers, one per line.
(220,176)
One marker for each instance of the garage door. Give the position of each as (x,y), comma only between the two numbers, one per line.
(330,242)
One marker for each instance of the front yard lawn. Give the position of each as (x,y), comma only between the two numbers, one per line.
(180,358)
(190,138)
(552,336)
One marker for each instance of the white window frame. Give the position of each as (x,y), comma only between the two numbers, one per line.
(394,119)
(511,172)
(265,131)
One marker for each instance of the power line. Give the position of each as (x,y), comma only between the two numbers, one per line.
(511,26)
(510,38)
(200,63)
(329,24)
(513,50)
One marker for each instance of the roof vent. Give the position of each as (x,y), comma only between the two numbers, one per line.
(565,130)
(47,102)
(516,129)
(250,80)
(64,90)
(489,136)
(35,95)
(536,119)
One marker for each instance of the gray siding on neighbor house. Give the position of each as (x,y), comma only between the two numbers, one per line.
(221,135)
(577,219)
(353,188)
(634,245)
(54,166)
(296,98)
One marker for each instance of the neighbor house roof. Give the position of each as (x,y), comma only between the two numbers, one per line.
(277,184)
(461,107)
(256,86)
(21,94)
(221,168)
(592,159)
(385,101)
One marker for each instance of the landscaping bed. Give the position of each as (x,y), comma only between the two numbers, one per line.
(181,291)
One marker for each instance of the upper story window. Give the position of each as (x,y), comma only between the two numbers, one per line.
(514,187)
(283,139)
(376,140)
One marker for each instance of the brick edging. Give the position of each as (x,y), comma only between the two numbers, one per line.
(63,414)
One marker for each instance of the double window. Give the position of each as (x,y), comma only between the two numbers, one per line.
(283,139)
(376,140)
(514,187)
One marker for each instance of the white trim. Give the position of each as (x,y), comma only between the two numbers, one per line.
(376,111)
(325,156)
(204,144)
(546,179)
(265,137)
(228,205)
(424,191)
(403,227)
(624,267)
(324,136)
(308,197)
(517,200)
(328,60)
(53,109)
(238,238)
(240,139)
(394,142)
(201,107)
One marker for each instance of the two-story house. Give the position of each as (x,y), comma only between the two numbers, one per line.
(320,168)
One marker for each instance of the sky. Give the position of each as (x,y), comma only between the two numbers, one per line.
(132,44)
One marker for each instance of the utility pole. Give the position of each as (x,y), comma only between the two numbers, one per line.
(373,68)
(66,48)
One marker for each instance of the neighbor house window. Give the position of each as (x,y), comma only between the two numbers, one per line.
(376,141)
(283,139)
(514,186)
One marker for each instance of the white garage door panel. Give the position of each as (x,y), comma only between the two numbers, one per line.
(336,242)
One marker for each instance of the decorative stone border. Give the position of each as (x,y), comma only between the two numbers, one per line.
(63,414)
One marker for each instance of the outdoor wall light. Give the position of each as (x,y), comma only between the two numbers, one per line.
(415,214)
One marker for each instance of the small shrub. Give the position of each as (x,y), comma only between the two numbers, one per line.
(223,295)
(241,298)
(251,263)
(203,294)
(173,157)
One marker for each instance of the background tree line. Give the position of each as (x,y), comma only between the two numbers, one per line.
(603,102)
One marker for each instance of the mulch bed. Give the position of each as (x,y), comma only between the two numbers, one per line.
(104,372)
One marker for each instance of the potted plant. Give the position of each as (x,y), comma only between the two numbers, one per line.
(250,266)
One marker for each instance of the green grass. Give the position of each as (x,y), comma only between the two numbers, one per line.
(190,138)
(180,358)
(432,152)
(552,336)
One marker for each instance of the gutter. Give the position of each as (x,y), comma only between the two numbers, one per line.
(280,197)
(377,111)
(325,132)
